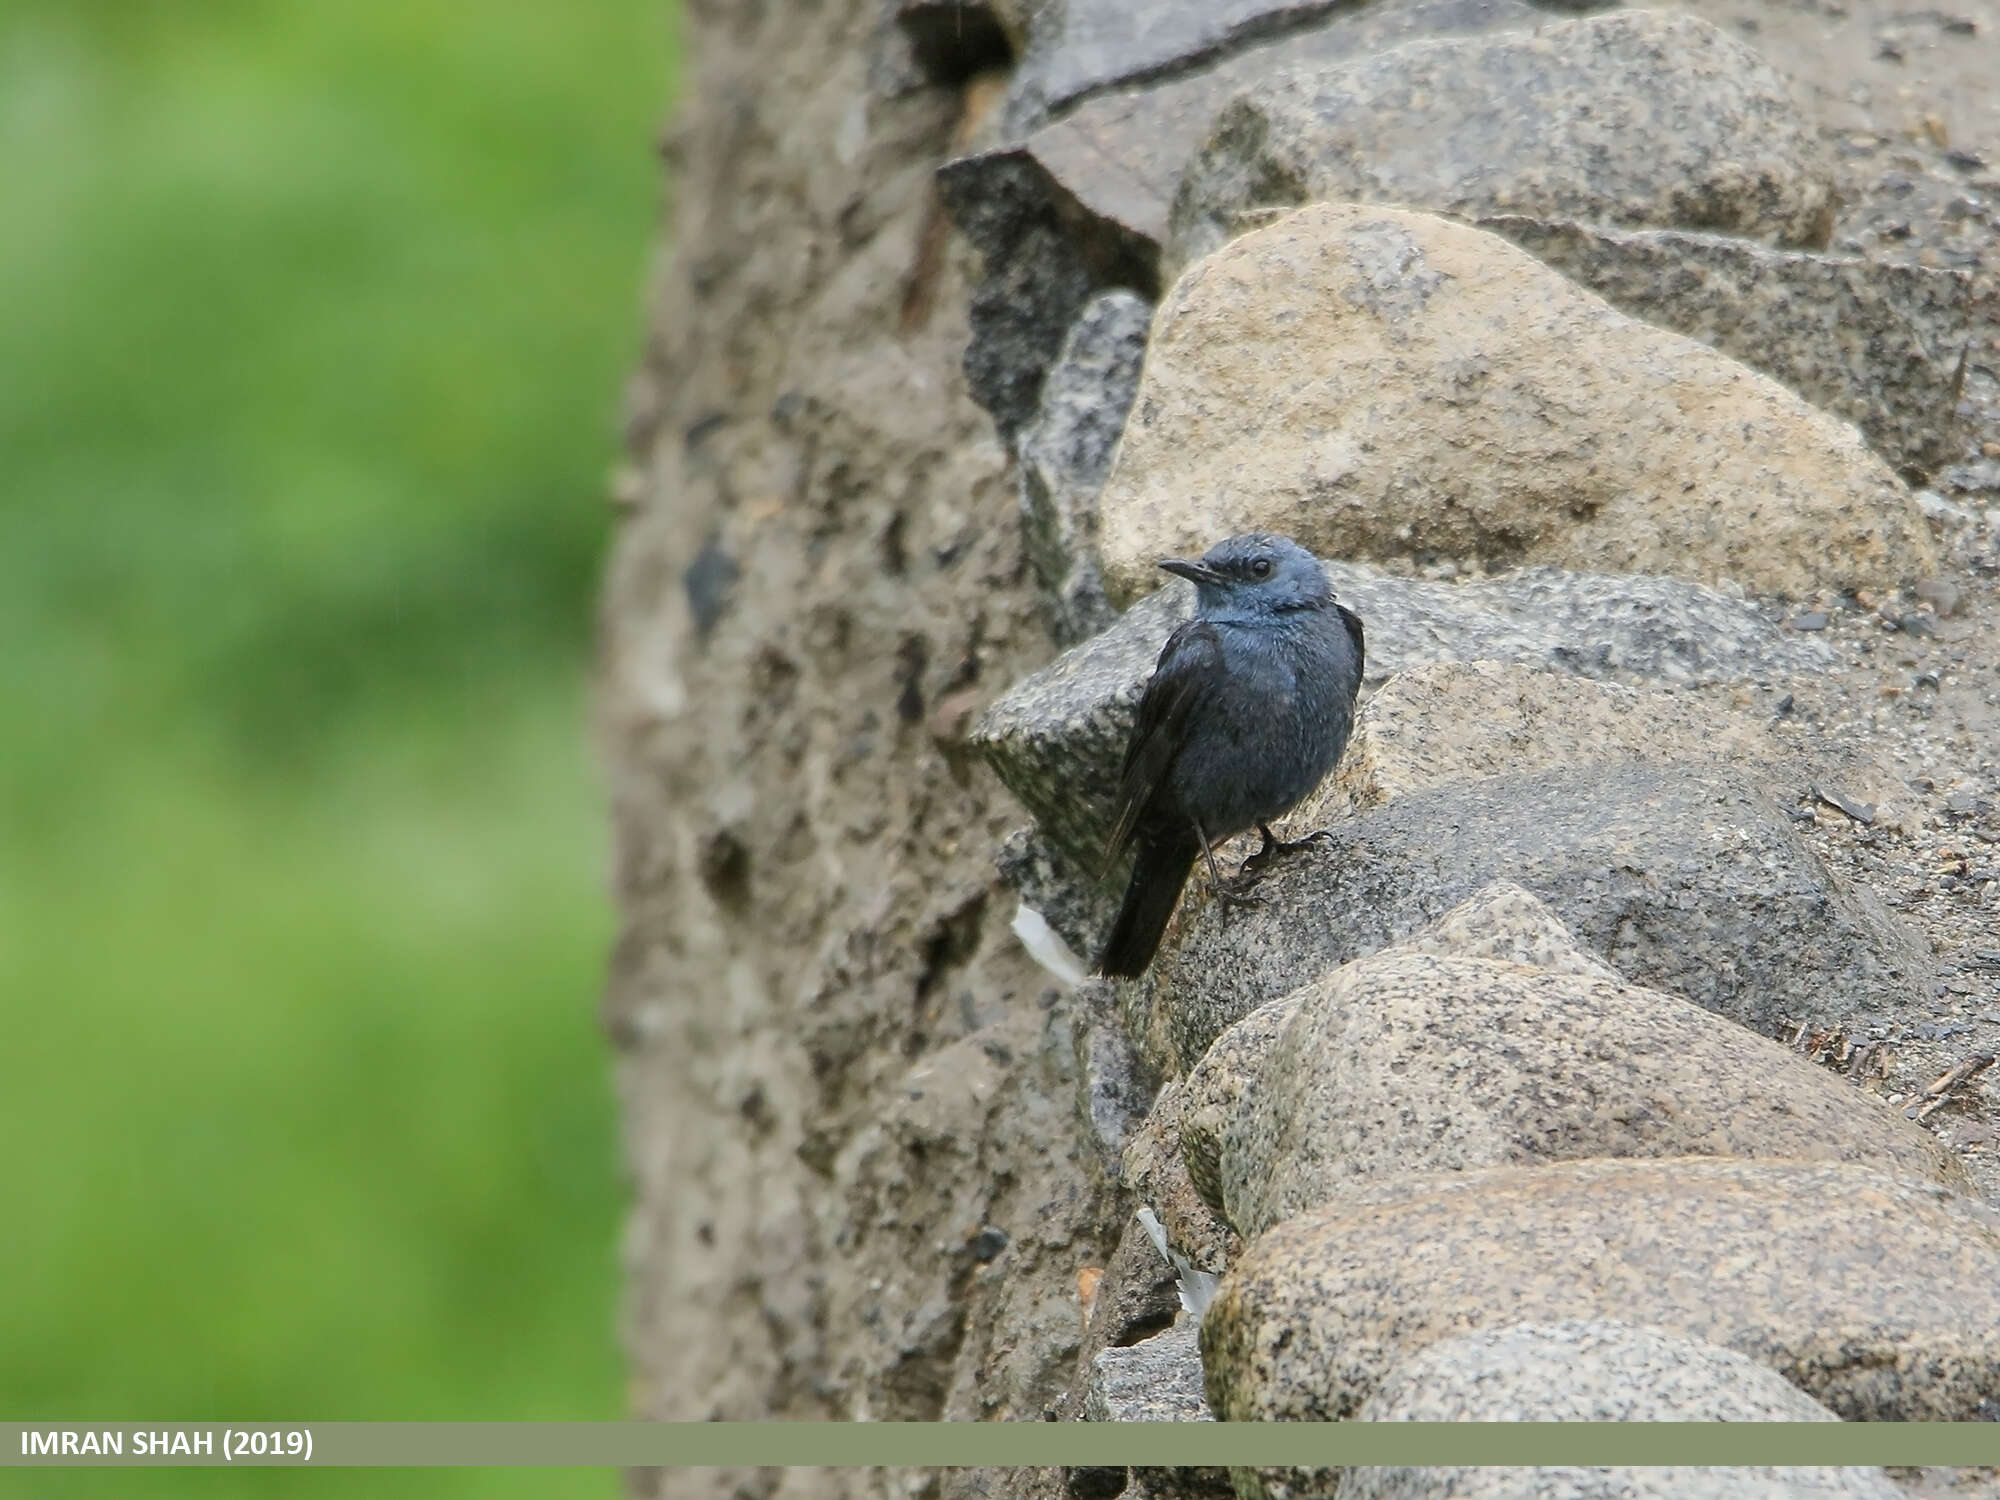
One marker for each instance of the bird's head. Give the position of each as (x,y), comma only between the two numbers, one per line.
(1258,572)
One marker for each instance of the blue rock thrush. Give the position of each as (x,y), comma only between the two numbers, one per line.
(1249,707)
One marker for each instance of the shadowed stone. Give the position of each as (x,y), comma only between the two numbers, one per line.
(1081,203)
(1116,160)
(1877,343)
(953,39)
(1058,738)
(1684,879)
(1877,1296)
(1065,455)
(1155,1170)
(1646,119)
(1083,46)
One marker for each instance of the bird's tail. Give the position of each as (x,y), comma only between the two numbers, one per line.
(1157,877)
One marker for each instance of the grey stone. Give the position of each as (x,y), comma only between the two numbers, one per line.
(1116,159)
(1155,1380)
(1066,891)
(1591,1372)
(1180,1484)
(1042,264)
(1684,879)
(1385,384)
(1648,119)
(1082,203)
(1058,738)
(1155,1170)
(1082,47)
(1877,1296)
(1875,342)
(1066,453)
(1115,1083)
(1136,1298)
(1420,1060)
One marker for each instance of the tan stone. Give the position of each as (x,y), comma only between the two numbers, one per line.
(1385,384)
(1414,1062)
(1439,723)
(1878,1296)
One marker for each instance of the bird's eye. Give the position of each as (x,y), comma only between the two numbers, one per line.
(1261,568)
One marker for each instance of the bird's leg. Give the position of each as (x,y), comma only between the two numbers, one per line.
(1275,848)
(1228,893)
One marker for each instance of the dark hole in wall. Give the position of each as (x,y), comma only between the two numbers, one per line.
(1144,1327)
(951,40)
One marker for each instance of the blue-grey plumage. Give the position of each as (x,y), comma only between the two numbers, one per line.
(1247,710)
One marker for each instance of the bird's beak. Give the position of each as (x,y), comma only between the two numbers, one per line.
(1191,568)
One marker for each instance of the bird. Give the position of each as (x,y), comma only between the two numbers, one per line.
(1249,707)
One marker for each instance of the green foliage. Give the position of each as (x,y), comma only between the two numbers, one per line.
(312,324)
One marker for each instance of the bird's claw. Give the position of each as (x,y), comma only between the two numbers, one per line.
(1276,848)
(1233,895)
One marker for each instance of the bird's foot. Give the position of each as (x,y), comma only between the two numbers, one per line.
(1234,895)
(1275,848)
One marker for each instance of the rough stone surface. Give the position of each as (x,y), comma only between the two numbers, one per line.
(1876,343)
(1116,159)
(1115,1083)
(792,845)
(1502,922)
(1082,202)
(1085,46)
(798,850)
(1065,455)
(1592,1372)
(1585,1372)
(1666,1482)
(1058,738)
(1156,1173)
(1065,891)
(1879,1297)
(1040,264)
(1684,879)
(1415,1062)
(1208,1098)
(1464,721)
(1180,1484)
(1381,383)
(1582,1372)
(1155,1380)
(1646,119)
(1136,1298)
(1507,925)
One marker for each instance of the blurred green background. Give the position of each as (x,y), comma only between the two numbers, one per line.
(313,321)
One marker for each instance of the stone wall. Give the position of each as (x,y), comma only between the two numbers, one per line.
(1571,341)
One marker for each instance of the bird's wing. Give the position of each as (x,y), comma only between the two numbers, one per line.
(1353,623)
(1188,669)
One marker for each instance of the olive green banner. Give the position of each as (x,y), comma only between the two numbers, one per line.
(994,1444)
